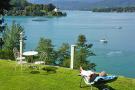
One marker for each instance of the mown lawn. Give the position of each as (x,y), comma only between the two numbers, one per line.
(63,79)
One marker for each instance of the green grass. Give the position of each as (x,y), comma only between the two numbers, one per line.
(63,79)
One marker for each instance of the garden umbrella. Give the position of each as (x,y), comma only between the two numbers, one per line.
(30,53)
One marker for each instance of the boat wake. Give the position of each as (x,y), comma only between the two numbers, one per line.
(112,53)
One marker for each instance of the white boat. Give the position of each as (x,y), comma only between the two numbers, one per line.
(104,40)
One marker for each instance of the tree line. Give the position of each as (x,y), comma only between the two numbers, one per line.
(23,8)
(115,9)
(59,56)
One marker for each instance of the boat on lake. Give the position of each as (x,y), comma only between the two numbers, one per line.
(103,40)
(118,27)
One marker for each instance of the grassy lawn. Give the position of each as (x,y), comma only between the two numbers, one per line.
(63,79)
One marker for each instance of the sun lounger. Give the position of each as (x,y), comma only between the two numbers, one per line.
(99,81)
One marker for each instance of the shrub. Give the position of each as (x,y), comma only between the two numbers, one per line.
(34,72)
(6,54)
(34,67)
(50,69)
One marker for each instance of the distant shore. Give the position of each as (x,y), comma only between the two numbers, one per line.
(114,9)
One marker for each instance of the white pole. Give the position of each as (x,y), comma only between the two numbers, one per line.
(72,56)
(21,48)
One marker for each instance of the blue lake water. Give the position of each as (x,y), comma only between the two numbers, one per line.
(115,57)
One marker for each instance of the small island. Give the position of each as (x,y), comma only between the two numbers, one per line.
(24,8)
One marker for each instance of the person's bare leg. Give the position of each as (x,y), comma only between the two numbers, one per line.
(81,69)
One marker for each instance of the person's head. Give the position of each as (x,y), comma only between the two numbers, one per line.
(102,73)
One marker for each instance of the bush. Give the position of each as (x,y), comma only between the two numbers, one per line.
(33,67)
(50,69)
(66,63)
(34,72)
(6,54)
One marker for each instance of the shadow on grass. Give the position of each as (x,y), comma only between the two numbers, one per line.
(101,87)
(49,69)
(104,87)
(98,86)
(48,73)
(34,72)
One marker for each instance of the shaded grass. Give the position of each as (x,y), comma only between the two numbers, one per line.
(63,79)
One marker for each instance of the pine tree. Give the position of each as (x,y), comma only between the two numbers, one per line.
(11,36)
(64,55)
(82,54)
(45,45)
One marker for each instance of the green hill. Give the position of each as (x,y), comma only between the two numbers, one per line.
(62,79)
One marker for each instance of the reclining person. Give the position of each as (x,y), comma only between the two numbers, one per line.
(91,75)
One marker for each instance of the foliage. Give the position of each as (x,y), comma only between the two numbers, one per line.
(2,29)
(115,9)
(11,38)
(49,7)
(82,53)
(23,8)
(33,67)
(6,54)
(34,72)
(64,55)
(20,4)
(4,5)
(45,45)
(50,68)
(53,13)
(66,63)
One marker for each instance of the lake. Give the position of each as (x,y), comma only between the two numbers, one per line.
(115,57)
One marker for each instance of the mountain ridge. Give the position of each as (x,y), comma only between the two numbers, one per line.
(85,4)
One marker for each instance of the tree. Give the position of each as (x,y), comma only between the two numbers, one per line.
(4,5)
(49,7)
(12,36)
(45,45)
(64,55)
(20,4)
(83,52)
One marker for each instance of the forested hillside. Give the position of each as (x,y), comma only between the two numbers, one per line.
(86,4)
(25,8)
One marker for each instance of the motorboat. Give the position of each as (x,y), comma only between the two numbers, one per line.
(119,27)
(103,40)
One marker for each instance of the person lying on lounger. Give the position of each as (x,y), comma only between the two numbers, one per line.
(91,75)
